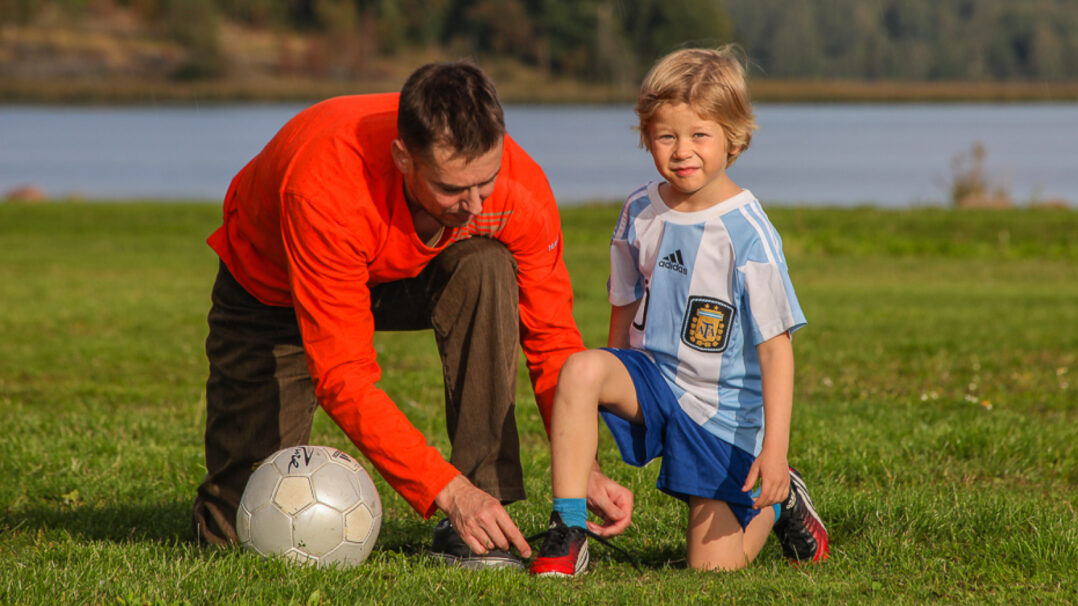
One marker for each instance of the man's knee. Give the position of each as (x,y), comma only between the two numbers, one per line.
(482,260)
(478,284)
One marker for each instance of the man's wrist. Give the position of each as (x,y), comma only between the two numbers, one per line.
(445,497)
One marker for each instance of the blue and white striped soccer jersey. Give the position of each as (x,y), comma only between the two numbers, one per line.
(712,285)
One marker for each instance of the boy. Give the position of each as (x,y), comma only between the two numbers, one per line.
(699,349)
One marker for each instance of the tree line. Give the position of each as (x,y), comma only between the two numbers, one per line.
(614,41)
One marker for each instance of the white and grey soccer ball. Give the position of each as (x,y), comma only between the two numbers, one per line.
(312,505)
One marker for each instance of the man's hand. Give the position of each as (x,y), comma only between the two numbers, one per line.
(479,518)
(610,501)
(773,472)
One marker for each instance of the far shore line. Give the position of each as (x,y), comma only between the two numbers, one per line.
(519,91)
(39,198)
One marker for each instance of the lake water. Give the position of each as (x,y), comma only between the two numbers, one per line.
(834,154)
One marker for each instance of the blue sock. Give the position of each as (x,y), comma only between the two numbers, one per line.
(574,512)
(777,506)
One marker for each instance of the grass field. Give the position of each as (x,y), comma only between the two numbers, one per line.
(935,420)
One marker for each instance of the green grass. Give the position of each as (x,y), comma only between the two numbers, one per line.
(935,420)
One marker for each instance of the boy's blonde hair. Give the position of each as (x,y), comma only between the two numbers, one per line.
(711,82)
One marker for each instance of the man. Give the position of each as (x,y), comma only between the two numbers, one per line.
(392,212)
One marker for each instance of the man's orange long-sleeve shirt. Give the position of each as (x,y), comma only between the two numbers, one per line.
(319,216)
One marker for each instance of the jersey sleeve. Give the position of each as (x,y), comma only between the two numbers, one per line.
(626,283)
(327,264)
(769,295)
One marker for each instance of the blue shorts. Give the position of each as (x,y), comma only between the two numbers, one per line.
(695,462)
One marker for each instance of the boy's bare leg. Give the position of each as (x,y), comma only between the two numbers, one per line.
(716,540)
(587,380)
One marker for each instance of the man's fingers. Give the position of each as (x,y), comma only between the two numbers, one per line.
(511,534)
(489,538)
(492,528)
(478,540)
(475,544)
(504,533)
(496,535)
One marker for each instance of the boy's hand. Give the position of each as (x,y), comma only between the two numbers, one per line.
(773,472)
(610,501)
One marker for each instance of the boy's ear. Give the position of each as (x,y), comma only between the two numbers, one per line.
(401,158)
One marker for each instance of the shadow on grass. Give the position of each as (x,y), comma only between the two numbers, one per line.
(170,523)
(159,522)
(655,557)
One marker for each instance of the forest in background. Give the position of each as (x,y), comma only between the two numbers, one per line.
(547,47)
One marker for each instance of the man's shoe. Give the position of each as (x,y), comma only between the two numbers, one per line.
(564,552)
(450,549)
(799,528)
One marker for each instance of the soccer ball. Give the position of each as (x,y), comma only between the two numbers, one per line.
(312,505)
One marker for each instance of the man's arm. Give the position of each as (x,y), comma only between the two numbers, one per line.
(328,280)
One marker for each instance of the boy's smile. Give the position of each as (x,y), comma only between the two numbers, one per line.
(690,152)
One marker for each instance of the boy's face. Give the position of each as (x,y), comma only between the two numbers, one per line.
(690,152)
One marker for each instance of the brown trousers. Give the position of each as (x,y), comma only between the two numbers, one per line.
(260,399)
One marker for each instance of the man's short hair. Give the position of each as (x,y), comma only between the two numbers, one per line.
(452,104)
(711,82)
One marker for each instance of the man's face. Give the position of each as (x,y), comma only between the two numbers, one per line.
(445,185)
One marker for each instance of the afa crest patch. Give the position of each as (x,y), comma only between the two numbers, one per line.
(706,326)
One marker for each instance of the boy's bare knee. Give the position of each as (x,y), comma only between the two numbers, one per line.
(721,564)
(719,559)
(583,370)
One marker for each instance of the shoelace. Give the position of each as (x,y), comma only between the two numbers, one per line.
(562,537)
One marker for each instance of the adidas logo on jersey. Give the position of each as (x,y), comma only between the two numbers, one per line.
(674,261)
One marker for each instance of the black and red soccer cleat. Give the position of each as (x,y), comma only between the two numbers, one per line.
(564,552)
(799,528)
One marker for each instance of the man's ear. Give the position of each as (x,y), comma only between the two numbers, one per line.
(401,158)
